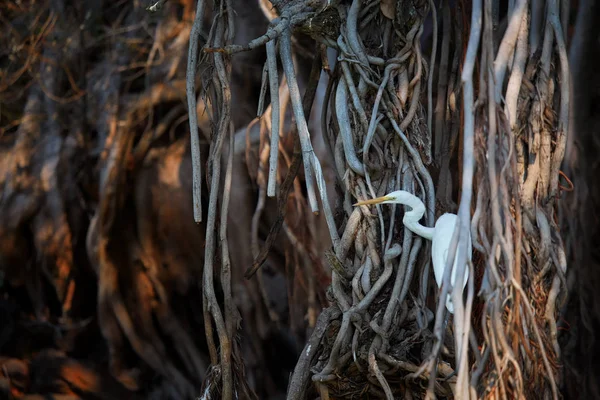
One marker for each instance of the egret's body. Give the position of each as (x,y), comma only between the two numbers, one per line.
(440,246)
(440,236)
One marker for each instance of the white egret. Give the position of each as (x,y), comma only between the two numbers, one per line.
(441,235)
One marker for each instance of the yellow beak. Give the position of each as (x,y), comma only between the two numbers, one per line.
(377,200)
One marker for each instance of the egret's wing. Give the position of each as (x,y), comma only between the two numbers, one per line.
(439,253)
(444,228)
(442,238)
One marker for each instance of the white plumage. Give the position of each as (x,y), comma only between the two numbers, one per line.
(441,235)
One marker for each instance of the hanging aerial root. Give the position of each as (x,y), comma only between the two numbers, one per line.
(193,113)
(287,184)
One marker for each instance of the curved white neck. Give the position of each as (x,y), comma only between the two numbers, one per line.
(412,217)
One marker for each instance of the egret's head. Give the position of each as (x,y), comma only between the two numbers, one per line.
(387,199)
